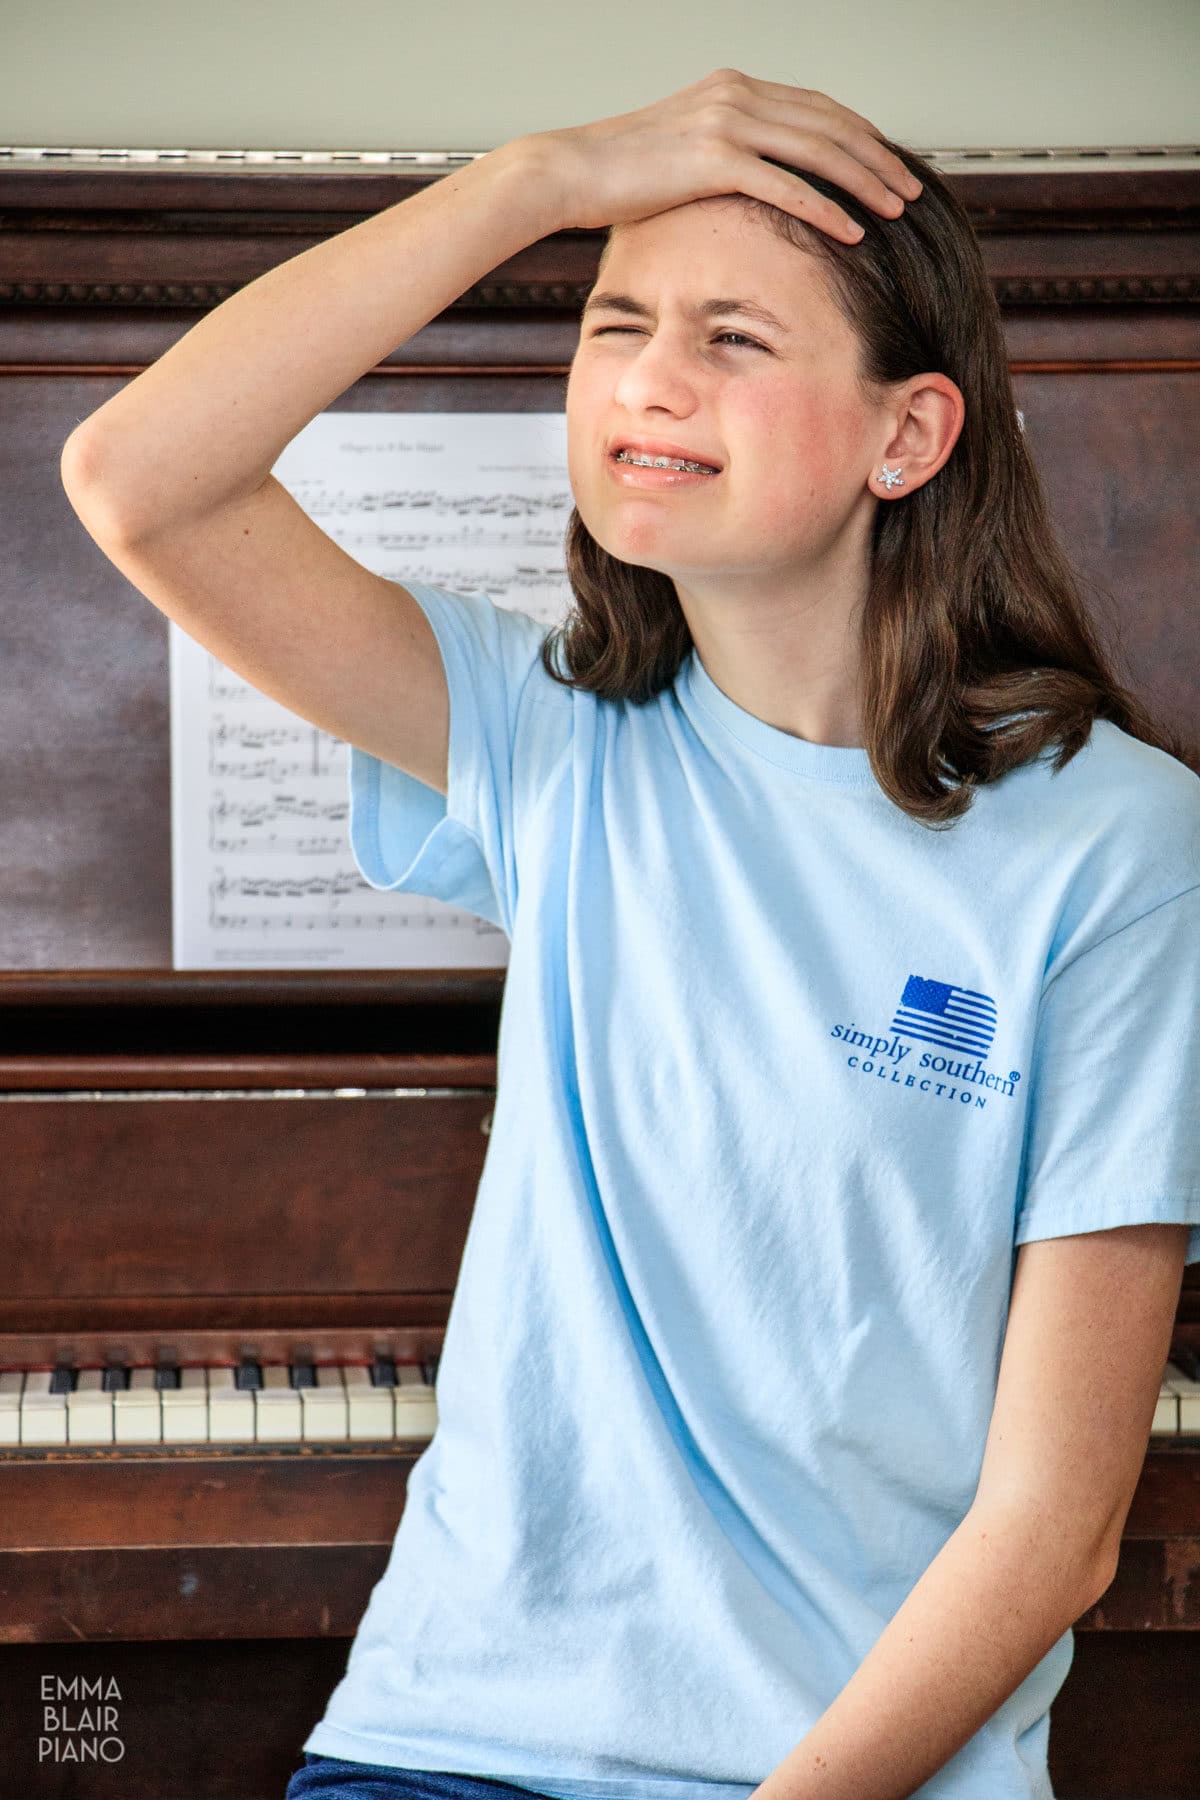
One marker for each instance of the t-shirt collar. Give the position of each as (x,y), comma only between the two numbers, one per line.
(819,762)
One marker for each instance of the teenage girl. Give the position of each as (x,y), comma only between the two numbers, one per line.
(824,1265)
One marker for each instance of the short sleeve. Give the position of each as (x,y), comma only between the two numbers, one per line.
(1113,1130)
(456,847)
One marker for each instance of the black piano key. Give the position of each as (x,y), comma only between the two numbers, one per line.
(114,1379)
(383,1372)
(304,1375)
(1188,1359)
(63,1379)
(166,1375)
(249,1374)
(429,1369)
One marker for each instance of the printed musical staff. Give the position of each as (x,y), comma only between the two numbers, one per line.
(261,862)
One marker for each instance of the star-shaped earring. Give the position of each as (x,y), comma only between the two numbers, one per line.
(891,477)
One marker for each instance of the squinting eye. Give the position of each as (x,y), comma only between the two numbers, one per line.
(748,342)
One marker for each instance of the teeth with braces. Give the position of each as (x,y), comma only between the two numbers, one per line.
(664,462)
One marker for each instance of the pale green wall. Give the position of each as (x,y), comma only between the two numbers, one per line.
(469,74)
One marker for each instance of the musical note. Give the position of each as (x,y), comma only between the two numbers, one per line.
(263,875)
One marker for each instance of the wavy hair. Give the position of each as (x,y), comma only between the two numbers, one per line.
(977,649)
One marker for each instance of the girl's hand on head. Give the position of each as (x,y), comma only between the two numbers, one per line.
(711,139)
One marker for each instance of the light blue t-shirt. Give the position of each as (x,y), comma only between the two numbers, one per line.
(784,1078)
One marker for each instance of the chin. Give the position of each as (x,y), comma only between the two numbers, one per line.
(638,538)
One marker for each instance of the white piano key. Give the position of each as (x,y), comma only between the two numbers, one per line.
(89,1410)
(230,1409)
(1187,1392)
(278,1418)
(1166,1412)
(11,1383)
(43,1414)
(137,1410)
(325,1405)
(370,1408)
(185,1408)
(415,1403)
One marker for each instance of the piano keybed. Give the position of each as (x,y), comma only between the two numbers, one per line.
(249,1402)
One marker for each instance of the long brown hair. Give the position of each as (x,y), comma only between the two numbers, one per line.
(977,649)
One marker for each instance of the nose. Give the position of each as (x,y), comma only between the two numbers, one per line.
(656,375)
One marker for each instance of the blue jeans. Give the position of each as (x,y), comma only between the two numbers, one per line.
(324,1775)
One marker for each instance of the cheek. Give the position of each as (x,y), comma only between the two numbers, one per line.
(804,454)
(580,412)
(588,399)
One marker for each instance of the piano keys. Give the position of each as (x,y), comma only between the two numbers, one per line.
(250,1402)
(281,1403)
(1178,1408)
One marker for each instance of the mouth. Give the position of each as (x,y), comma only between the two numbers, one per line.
(662,458)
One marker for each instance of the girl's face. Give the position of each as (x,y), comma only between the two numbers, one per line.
(775,405)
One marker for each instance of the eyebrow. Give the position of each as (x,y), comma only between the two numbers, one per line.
(707,309)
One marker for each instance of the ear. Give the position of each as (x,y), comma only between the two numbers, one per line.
(925,421)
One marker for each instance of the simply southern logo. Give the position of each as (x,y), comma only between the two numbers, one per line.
(959,1019)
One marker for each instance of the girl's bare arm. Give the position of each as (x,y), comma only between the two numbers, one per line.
(205,424)
(172,476)
(172,479)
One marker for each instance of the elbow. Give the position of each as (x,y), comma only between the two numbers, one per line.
(80,461)
(1106,1559)
(1104,1573)
(81,470)
(1074,1562)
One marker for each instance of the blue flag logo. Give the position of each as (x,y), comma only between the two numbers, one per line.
(939,1013)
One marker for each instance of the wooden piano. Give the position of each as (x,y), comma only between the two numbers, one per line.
(222,1178)
(232,1206)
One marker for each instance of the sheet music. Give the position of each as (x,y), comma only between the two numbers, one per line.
(262,875)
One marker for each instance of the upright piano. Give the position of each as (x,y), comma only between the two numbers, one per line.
(233,1205)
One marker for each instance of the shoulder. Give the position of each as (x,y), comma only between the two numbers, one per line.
(1120,832)
(506,631)
(1116,788)
(1136,769)
(1143,800)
